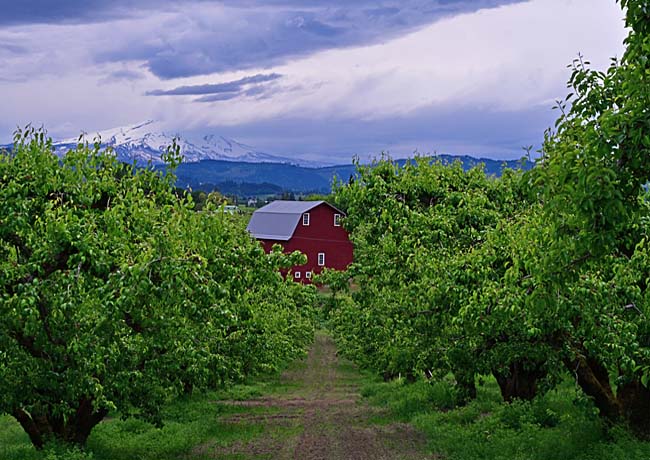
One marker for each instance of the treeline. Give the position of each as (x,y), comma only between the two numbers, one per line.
(116,296)
(531,277)
(242,189)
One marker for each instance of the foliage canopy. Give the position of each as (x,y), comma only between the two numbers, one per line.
(117,295)
(528,277)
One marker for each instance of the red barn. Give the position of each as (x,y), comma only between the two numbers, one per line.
(311,227)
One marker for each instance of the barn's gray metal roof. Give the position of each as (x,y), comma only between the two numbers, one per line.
(288,207)
(279,219)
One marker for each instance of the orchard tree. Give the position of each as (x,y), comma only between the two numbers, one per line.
(414,228)
(576,268)
(116,295)
(495,285)
(517,276)
(589,280)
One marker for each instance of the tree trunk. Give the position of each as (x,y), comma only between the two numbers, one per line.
(390,375)
(85,420)
(37,427)
(463,367)
(630,405)
(519,381)
(42,428)
(466,386)
(593,378)
(634,399)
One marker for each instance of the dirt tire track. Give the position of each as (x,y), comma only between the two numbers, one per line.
(333,421)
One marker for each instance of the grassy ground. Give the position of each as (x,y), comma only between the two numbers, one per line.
(313,411)
(188,423)
(559,426)
(322,418)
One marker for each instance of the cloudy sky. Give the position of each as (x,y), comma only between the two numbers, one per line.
(317,79)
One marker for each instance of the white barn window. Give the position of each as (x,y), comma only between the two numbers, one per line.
(308,275)
(337,220)
(305,219)
(296,275)
(321,259)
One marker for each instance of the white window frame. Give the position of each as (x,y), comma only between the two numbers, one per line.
(308,275)
(305,219)
(296,275)
(337,220)
(321,259)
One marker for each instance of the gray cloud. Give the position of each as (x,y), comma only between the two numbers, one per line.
(69,11)
(125,74)
(22,12)
(257,91)
(461,130)
(13,48)
(85,11)
(218,97)
(184,38)
(207,38)
(234,87)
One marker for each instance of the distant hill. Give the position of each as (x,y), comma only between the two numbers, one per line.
(217,163)
(208,175)
(244,189)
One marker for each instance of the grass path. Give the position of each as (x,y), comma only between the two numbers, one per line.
(312,411)
(321,416)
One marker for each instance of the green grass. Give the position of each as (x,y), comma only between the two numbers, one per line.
(561,425)
(558,426)
(188,423)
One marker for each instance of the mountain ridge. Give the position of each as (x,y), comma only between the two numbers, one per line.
(146,142)
(208,174)
(218,162)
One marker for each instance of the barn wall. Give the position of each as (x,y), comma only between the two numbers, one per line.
(320,236)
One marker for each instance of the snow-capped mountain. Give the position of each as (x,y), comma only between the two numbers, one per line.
(242,152)
(146,142)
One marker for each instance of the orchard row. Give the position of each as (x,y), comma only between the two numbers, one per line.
(530,277)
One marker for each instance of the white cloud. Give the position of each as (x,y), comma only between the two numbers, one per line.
(503,59)
(508,58)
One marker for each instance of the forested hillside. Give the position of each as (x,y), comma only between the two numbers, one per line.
(209,175)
